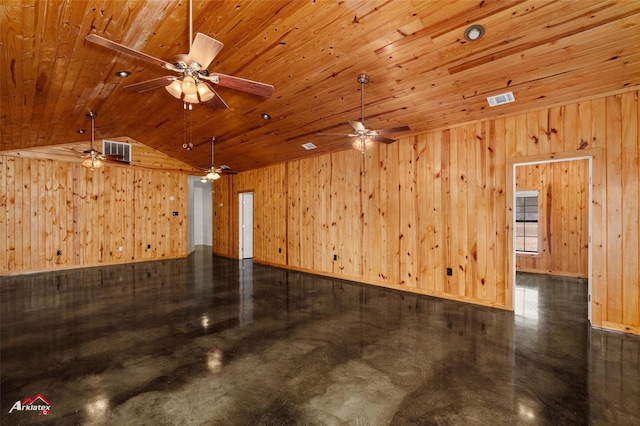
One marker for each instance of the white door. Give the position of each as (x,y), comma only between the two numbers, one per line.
(246,225)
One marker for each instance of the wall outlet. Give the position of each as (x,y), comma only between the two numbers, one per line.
(450,272)
(175,213)
(148,246)
(279,250)
(335,257)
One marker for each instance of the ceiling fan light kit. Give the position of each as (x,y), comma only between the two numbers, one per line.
(93,163)
(212,175)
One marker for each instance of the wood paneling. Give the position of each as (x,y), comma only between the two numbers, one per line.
(405,212)
(563,217)
(423,72)
(607,130)
(91,218)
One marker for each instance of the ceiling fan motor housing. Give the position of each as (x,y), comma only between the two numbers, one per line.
(363,78)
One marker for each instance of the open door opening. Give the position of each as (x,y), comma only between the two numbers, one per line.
(552,224)
(245,225)
(200,214)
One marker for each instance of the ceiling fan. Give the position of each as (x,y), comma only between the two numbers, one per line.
(213,172)
(94,159)
(363,135)
(193,84)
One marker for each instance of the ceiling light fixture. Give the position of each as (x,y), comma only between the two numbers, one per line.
(474,32)
(190,89)
(93,163)
(265,116)
(123,74)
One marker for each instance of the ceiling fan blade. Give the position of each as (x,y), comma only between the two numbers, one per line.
(94,38)
(216,102)
(226,169)
(203,50)
(335,134)
(382,139)
(393,130)
(357,126)
(242,84)
(145,86)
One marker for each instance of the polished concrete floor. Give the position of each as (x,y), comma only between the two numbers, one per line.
(215,341)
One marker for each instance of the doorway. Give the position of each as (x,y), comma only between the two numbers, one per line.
(200,214)
(587,183)
(245,225)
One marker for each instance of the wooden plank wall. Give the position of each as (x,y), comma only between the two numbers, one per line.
(409,210)
(563,217)
(94,218)
(269,212)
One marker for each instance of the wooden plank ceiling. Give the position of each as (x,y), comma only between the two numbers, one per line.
(423,72)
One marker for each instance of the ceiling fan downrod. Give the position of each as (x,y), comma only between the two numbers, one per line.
(362,79)
(92,117)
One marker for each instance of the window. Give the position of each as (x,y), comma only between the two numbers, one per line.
(527,226)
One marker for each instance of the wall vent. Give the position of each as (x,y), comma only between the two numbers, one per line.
(117,148)
(504,98)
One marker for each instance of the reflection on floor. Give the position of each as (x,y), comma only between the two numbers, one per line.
(209,340)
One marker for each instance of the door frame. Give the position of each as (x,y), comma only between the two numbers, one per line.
(511,208)
(199,194)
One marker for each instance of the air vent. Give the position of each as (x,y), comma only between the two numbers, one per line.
(309,146)
(117,148)
(504,98)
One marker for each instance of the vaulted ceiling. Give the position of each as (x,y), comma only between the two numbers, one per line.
(423,71)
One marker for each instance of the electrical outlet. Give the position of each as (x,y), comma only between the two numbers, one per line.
(148,246)
(175,213)
(335,257)
(450,272)
(279,250)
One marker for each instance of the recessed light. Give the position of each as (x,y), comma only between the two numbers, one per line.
(474,32)
(265,116)
(123,74)
(81,131)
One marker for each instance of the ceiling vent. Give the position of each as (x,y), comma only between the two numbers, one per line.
(117,148)
(309,146)
(504,98)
